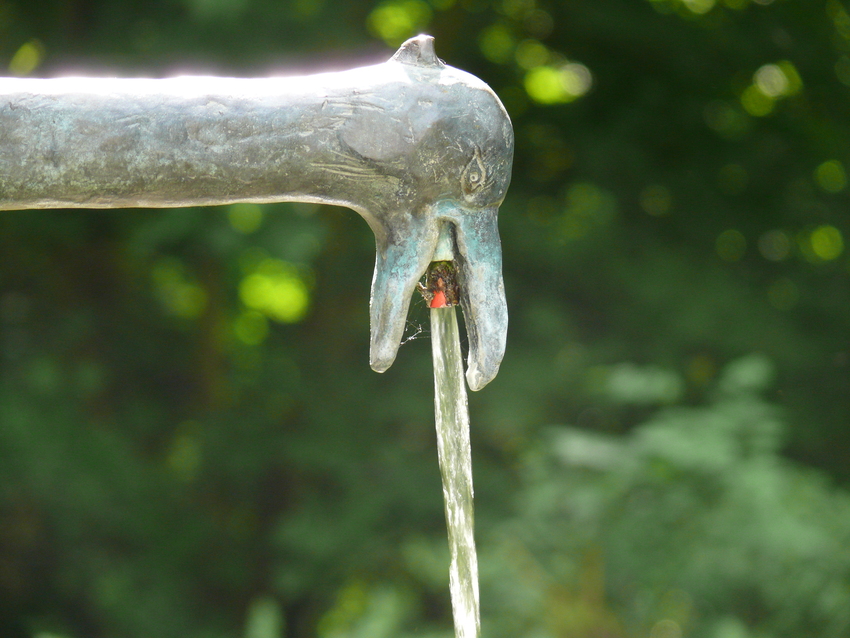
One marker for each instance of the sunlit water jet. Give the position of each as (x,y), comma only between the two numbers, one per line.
(453,448)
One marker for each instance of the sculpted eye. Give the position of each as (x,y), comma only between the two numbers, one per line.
(474,175)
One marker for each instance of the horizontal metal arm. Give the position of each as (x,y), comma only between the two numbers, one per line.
(410,144)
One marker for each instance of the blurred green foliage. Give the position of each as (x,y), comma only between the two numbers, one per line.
(192,444)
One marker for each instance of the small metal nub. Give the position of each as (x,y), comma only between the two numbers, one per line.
(419,51)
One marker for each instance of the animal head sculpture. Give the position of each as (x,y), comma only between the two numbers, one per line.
(421,150)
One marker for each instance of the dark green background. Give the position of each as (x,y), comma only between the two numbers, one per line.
(664,452)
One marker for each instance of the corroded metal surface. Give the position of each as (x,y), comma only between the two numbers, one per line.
(412,145)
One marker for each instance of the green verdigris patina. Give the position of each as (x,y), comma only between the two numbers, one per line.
(412,145)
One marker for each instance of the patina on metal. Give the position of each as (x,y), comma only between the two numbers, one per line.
(416,147)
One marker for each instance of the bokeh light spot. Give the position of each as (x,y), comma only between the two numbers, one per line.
(352,603)
(795,82)
(538,23)
(826,242)
(699,7)
(778,80)
(397,20)
(531,54)
(726,119)
(26,58)
(775,245)
(550,85)
(251,327)
(543,85)
(497,43)
(178,294)
(842,70)
(840,18)
(576,79)
(666,628)
(771,81)
(517,8)
(246,218)
(664,6)
(756,102)
(276,289)
(184,454)
(731,245)
(831,176)
(656,200)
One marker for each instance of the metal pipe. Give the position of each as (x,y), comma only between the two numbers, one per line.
(410,144)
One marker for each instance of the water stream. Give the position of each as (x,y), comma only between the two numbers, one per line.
(453,448)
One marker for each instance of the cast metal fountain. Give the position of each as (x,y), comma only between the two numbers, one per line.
(421,150)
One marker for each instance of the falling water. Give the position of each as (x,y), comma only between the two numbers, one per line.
(452,416)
